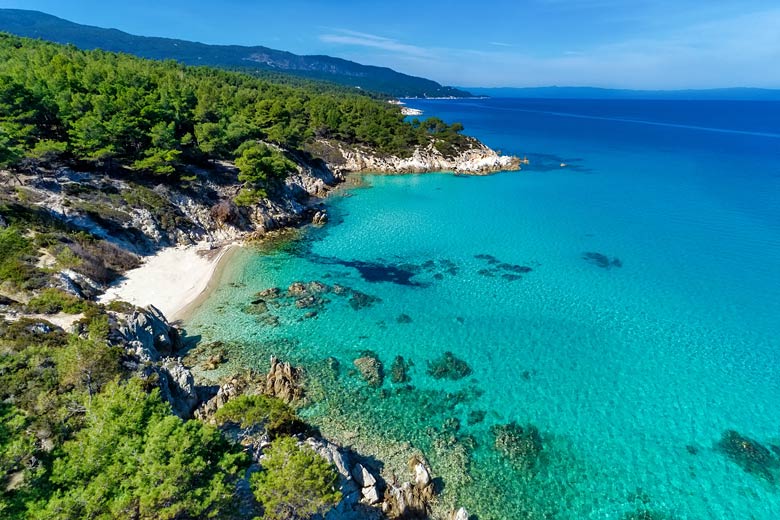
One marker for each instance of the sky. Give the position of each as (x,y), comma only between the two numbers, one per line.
(643,44)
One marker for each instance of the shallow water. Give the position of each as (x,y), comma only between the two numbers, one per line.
(646,325)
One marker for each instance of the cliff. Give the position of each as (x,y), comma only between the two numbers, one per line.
(473,159)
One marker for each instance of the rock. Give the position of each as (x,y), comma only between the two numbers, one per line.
(149,334)
(362,476)
(750,455)
(360,300)
(448,367)
(320,218)
(269,294)
(283,382)
(177,386)
(371,369)
(214,360)
(522,445)
(399,370)
(297,289)
(248,383)
(460,514)
(422,477)
(370,494)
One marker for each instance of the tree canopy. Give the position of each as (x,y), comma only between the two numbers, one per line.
(95,107)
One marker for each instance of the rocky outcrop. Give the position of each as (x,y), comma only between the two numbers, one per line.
(411,499)
(477,159)
(371,369)
(178,387)
(148,335)
(284,382)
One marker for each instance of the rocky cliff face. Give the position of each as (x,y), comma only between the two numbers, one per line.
(476,159)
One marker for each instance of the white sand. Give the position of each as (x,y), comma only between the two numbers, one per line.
(169,280)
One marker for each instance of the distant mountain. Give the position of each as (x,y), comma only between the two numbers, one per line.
(747,94)
(34,24)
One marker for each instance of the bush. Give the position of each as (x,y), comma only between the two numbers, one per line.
(294,482)
(270,413)
(52,301)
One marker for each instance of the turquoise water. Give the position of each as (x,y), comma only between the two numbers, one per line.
(631,371)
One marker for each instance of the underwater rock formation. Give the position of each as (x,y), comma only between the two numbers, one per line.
(370,368)
(507,271)
(522,445)
(399,370)
(448,367)
(750,455)
(601,260)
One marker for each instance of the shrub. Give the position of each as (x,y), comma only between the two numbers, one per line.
(272,414)
(294,482)
(52,301)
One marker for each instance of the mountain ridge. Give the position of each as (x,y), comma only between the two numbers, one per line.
(36,24)
(559,92)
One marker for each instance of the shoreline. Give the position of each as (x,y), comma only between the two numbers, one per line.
(173,280)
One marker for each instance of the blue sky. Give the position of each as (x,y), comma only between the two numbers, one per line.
(606,43)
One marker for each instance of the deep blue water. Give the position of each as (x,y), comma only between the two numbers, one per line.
(647,325)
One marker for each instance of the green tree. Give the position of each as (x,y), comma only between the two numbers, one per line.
(258,166)
(134,459)
(272,414)
(87,364)
(294,482)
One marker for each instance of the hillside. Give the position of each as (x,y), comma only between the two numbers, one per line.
(259,60)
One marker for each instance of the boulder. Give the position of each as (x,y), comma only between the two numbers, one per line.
(460,514)
(283,381)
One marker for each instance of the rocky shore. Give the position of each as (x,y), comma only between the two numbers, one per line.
(154,347)
(133,218)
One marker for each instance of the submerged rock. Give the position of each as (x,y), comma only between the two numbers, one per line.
(448,367)
(360,300)
(601,260)
(399,370)
(371,369)
(522,445)
(749,454)
(404,318)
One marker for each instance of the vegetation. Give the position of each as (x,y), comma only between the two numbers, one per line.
(271,414)
(134,459)
(294,482)
(58,103)
(295,68)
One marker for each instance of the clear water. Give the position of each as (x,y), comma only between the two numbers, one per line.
(632,373)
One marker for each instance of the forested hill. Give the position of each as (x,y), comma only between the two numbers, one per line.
(35,24)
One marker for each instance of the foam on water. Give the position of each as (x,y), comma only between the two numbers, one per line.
(631,369)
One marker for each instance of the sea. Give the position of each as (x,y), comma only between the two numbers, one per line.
(596,336)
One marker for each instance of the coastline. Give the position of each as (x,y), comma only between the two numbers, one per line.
(173,280)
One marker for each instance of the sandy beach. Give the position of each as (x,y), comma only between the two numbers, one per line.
(171,280)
